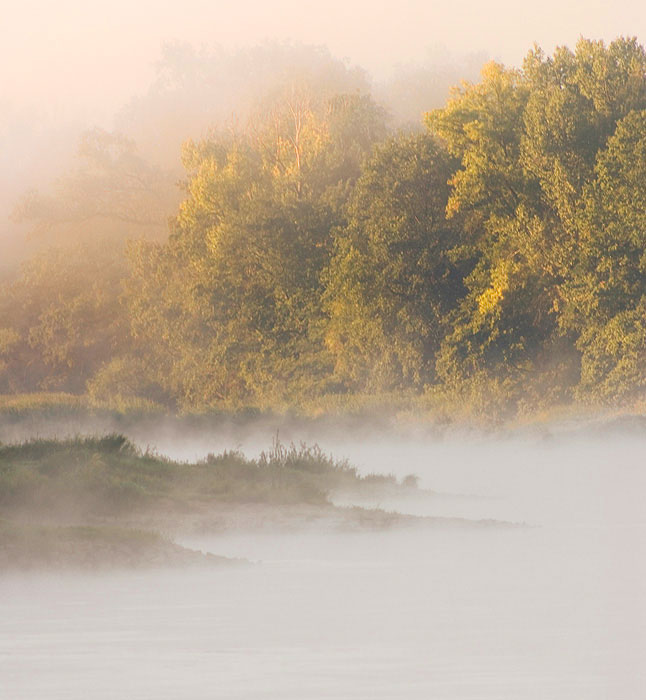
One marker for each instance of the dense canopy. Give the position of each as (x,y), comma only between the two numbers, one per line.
(494,259)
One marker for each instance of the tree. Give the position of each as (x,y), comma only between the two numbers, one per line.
(391,281)
(112,193)
(528,142)
(61,320)
(606,292)
(503,326)
(232,301)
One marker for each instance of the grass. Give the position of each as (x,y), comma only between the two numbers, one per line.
(81,501)
(108,476)
(60,406)
(19,405)
(435,412)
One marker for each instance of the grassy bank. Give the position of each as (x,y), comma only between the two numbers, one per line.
(23,416)
(92,500)
(109,477)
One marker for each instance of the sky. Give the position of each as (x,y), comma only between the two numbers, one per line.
(83,58)
(71,65)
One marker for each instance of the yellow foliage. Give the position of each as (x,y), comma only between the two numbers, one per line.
(9,339)
(493,295)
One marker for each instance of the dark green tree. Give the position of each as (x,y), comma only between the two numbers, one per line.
(392,281)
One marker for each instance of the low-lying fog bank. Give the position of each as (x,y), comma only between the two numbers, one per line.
(553,611)
(100,501)
(522,614)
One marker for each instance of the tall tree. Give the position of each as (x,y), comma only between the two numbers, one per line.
(235,310)
(392,281)
(528,142)
(606,290)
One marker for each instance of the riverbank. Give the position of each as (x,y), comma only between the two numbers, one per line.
(100,501)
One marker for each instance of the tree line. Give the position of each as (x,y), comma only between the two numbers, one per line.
(494,257)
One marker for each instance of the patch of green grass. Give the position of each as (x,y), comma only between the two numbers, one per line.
(87,475)
(108,476)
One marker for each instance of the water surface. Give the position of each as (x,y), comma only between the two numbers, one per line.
(551,611)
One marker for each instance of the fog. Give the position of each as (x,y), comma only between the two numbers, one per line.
(88,56)
(73,66)
(522,576)
(550,608)
(192,90)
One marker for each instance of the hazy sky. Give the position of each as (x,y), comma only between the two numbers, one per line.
(83,57)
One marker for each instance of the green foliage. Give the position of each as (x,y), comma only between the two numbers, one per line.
(392,281)
(492,266)
(62,318)
(529,142)
(231,305)
(606,292)
(304,458)
(108,476)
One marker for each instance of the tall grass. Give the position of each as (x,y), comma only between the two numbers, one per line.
(108,476)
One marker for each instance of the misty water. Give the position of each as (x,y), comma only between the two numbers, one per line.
(554,609)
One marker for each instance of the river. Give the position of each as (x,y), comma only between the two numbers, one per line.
(554,609)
